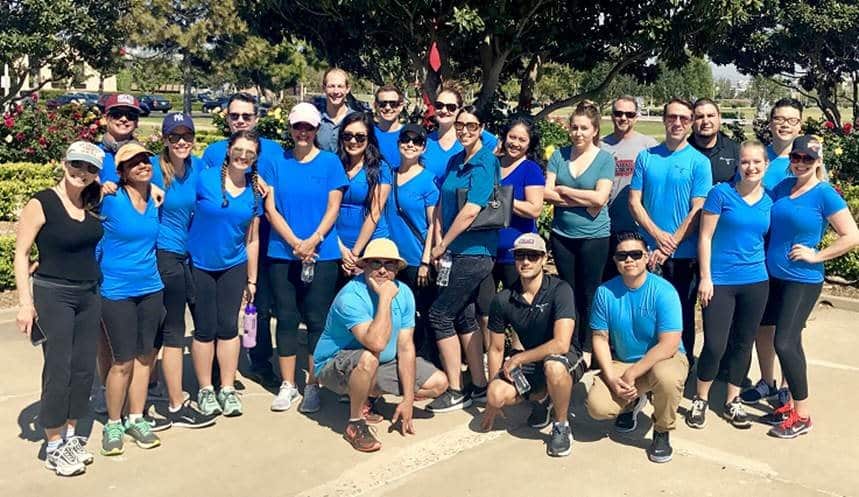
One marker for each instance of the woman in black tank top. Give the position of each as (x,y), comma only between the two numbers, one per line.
(64,307)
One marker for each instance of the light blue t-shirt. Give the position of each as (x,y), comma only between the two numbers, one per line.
(126,253)
(216,153)
(414,197)
(576,222)
(301,197)
(109,173)
(389,145)
(801,220)
(356,304)
(737,251)
(777,171)
(478,176)
(178,207)
(634,318)
(668,181)
(217,238)
(436,158)
(527,174)
(352,209)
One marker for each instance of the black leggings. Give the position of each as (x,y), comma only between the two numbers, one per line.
(504,273)
(218,300)
(681,274)
(296,301)
(580,262)
(735,311)
(178,290)
(790,304)
(70,319)
(424,297)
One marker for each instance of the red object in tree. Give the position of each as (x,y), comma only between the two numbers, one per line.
(829,125)
(848,128)
(434,57)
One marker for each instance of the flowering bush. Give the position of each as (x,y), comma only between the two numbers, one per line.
(840,149)
(31,132)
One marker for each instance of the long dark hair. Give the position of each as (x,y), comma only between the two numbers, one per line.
(372,156)
(533,136)
(251,135)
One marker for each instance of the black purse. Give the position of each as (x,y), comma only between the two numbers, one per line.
(498,211)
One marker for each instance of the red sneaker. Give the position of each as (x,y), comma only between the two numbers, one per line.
(361,436)
(792,427)
(778,416)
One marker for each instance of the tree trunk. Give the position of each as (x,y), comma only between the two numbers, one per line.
(187,83)
(527,84)
(493,63)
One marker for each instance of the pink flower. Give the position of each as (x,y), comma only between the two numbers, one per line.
(847,128)
(29,151)
(42,141)
(20,136)
(19,108)
(9,121)
(35,97)
(829,125)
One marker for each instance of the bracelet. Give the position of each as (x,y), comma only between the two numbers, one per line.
(252,282)
(425,263)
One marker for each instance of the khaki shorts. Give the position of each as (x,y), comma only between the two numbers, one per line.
(335,375)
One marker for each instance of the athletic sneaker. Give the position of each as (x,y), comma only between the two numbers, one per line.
(230,403)
(561,441)
(77,446)
(158,424)
(311,402)
(111,439)
(142,434)
(660,449)
(64,461)
(792,427)
(207,402)
(781,398)
(188,417)
(762,390)
(369,412)
(478,394)
(541,413)
(736,414)
(97,400)
(628,421)
(286,395)
(778,416)
(451,400)
(697,416)
(361,436)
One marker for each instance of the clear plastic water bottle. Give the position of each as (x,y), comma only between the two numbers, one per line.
(249,323)
(445,263)
(307,270)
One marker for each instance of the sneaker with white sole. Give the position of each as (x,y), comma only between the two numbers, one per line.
(628,421)
(286,395)
(188,417)
(561,441)
(541,413)
(736,414)
(451,400)
(311,402)
(697,416)
(207,402)
(77,446)
(64,461)
(228,398)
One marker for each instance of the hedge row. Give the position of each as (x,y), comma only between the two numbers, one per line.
(21,180)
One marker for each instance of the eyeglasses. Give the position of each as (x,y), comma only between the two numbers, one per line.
(241,153)
(90,168)
(448,107)
(670,118)
(130,114)
(471,127)
(793,121)
(531,256)
(418,141)
(621,255)
(375,264)
(175,137)
(244,116)
(802,158)
(303,127)
(384,104)
(628,115)
(357,137)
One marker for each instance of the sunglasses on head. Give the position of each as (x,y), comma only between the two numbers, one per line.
(621,255)
(241,153)
(90,168)
(374,264)
(235,116)
(628,115)
(471,127)
(418,141)
(357,137)
(175,137)
(448,107)
(531,256)
(384,104)
(130,114)
(303,127)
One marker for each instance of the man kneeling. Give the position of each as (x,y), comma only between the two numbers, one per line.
(366,348)
(540,309)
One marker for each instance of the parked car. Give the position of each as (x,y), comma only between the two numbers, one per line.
(215,104)
(66,99)
(155,102)
(90,99)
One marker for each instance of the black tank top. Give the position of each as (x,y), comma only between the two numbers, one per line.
(66,246)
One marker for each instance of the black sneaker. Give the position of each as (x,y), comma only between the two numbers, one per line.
(697,416)
(541,414)
(451,400)
(660,449)
(792,427)
(736,414)
(561,441)
(778,416)
(478,394)
(188,417)
(628,421)
(157,424)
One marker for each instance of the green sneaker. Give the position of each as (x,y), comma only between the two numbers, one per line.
(111,439)
(230,402)
(141,432)
(207,403)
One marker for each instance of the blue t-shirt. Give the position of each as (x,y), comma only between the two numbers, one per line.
(668,181)
(737,251)
(356,304)
(218,234)
(777,171)
(389,145)
(634,318)
(527,174)
(178,207)
(301,197)
(126,253)
(577,222)
(436,158)
(216,153)
(352,210)
(414,197)
(109,173)
(800,220)
(478,176)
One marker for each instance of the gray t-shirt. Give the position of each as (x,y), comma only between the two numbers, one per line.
(624,152)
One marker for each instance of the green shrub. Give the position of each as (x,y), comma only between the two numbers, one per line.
(19,182)
(7,259)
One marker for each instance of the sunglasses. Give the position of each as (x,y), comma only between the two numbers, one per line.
(241,153)
(531,256)
(418,141)
(802,158)
(356,137)
(471,127)
(384,104)
(130,114)
(793,121)
(303,127)
(235,116)
(375,264)
(448,107)
(670,118)
(90,168)
(628,115)
(621,255)
(175,137)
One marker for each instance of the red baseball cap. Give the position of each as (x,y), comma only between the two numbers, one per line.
(121,100)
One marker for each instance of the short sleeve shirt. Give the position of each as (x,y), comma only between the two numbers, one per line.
(413,197)
(178,207)
(389,145)
(328,131)
(436,159)
(624,152)
(577,222)
(353,210)
(777,171)
(526,175)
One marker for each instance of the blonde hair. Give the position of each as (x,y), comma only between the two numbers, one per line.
(755,144)
(332,70)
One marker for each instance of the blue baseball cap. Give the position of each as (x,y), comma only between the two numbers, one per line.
(175,120)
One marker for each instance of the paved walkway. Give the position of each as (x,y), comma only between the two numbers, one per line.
(286,454)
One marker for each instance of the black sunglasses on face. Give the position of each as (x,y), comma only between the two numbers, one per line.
(416,140)
(90,168)
(383,104)
(449,107)
(621,255)
(357,137)
(375,264)
(303,127)
(531,256)
(234,116)
(175,137)
(471,127)
(130,114)
(628,115)
(802,158)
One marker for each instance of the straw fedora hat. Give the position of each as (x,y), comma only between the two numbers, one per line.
(381,248)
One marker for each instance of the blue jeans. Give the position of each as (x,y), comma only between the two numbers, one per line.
(453,309)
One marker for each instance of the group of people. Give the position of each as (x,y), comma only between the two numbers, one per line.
(363,232)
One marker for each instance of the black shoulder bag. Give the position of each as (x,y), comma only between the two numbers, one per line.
(498,210)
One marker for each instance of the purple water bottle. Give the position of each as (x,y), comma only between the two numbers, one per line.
(249,323)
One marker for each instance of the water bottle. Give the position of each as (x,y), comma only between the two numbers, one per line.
(444,266)
(249,323)
(307,269)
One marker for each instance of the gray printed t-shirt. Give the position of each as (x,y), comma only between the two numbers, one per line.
(624,153)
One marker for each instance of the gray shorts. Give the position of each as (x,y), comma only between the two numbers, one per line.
(335,375)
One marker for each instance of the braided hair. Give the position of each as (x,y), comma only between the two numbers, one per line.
(250,135)
(372,155)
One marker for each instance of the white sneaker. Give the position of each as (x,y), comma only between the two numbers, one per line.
(285,397)
(64,462)
(78,448)
(311,402)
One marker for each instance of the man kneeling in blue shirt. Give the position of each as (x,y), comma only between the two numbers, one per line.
(366,348)
(639,314)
